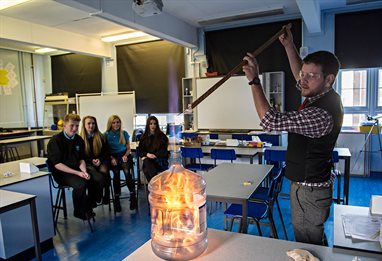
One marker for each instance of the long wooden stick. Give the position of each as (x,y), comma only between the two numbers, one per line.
(238,67)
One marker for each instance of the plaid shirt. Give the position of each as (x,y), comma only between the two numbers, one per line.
(312,122)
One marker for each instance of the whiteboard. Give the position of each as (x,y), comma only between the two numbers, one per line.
(102,106)
(229,107)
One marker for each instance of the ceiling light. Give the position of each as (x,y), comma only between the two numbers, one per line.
(45,50)
(9,3)
(119,37)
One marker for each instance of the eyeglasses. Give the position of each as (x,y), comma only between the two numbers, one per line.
(310,75)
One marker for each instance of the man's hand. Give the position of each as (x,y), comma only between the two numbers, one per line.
(251,69)
(286,38)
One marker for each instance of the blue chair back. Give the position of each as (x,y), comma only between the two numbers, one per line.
(276,158)
(276,183)
(194,153)
(335,157)
(214,136)
(191,152)
(274,155)
(223,154)
(241,137)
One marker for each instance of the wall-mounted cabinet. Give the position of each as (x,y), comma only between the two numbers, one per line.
(188,92)
(273,84)
(55,108)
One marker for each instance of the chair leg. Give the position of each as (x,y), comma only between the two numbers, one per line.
(231,224)
(272,225)
(281,218)
(56,207)
(64,204)
(258,228)
(90,224)
(339,188)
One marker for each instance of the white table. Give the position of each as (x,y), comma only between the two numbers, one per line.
(343,153)
(346,242)
(15,226)
(12,200)
(225,183)
(5,143)
(228,246)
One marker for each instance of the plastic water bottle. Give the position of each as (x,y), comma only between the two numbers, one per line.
(178,214)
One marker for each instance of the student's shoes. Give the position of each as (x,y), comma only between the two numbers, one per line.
(84,216)
(133,201)
(117,205)
(106,199)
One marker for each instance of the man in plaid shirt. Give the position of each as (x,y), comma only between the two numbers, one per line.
(312,133)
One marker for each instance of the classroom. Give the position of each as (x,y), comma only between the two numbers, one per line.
(268,112)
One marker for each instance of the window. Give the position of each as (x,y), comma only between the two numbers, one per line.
(361,94)
(140,120)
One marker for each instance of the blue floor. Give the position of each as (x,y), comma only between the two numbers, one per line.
(116,236)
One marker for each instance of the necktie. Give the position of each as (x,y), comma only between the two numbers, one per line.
(304,104)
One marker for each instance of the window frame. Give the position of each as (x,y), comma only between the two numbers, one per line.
(371,107)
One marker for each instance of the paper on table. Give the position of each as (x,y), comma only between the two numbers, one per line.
(29,168)
(362,227)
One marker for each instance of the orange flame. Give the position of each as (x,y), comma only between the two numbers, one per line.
(178,211)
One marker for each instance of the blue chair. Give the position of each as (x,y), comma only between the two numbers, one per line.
(223,154)
(214,136)
(276,158)
(60,202)
(258,209)
(195,154)
(238,136)
(337,173)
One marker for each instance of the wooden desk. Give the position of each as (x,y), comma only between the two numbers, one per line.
(14,222)
(346,242)
(12,200)
(343,153)
(225,184)
(228,246)
(5,143)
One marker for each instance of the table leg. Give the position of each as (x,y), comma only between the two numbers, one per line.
(260,158)
(346,181)
(36,235)
(244,221)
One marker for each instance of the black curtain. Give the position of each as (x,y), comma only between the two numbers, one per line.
(76,73)
(154,70)
(226,48)
(358,39)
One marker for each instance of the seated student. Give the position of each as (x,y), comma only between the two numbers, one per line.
(96,157)
(120,158)
(66,156)
(153,149)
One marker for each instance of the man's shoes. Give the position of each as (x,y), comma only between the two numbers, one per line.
(117,205)
(133,201)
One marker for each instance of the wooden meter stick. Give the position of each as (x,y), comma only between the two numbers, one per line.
(238,67)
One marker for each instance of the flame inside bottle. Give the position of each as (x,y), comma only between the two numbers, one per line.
(178,214)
